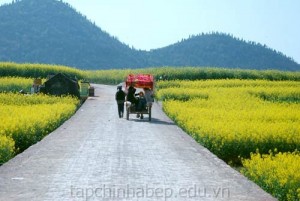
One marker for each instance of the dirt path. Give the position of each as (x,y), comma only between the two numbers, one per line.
(97,156)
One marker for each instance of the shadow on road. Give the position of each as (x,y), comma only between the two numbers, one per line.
(159,121)
(153,121)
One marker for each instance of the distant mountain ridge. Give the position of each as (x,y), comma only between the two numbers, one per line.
(223,50)
(51,31)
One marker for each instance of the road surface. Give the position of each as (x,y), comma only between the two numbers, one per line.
(95,155)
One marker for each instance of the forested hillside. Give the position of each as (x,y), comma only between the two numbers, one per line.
(52,32)
(221,50)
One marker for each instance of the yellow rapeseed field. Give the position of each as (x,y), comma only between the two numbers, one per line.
(14,84)
(233,118)
(26,119)
(236,117)
(276,173)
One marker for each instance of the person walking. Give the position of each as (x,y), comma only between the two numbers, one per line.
(120,98)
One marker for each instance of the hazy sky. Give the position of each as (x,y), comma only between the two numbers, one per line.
(150,24)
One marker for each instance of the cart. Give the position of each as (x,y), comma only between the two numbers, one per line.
(139,81)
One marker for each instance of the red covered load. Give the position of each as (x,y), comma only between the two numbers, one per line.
(140,81)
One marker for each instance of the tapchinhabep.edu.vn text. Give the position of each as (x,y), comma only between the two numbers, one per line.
(148,191)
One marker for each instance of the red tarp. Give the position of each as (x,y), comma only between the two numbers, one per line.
(140,81)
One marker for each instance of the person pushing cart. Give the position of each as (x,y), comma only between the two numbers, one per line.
(143,103)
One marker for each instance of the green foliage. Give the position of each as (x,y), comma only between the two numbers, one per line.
(8,69)
(287,97)
(7,148)
(190,73)
(116,76)
(15,84)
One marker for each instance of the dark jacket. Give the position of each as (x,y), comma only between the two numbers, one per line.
(120,96)
(131,95)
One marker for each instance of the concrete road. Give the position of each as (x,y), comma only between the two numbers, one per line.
(97,156)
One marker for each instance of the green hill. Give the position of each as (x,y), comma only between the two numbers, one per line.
(52,32)
(222,50)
